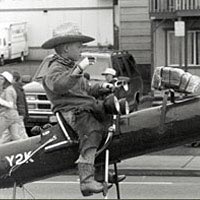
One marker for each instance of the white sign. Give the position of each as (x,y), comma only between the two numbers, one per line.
(179,27)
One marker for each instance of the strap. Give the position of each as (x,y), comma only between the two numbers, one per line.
(42,146)
(62,126)
(161,74)
(169,78)
(181,80)
(187,83)
(163,113)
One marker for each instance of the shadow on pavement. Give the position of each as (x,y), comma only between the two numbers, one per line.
(181,150)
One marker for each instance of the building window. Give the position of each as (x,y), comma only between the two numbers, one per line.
(174,49)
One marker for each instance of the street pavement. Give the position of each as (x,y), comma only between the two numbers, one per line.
(179,161)
(133,187)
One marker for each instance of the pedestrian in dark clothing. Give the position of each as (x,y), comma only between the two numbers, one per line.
(22,107)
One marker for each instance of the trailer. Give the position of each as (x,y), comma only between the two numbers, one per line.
(13,41)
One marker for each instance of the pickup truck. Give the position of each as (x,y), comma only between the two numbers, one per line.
(122,61)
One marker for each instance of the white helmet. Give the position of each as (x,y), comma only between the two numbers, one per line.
(8,76)
(109,71)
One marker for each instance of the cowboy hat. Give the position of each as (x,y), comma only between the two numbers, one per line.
(110,71)
(8,76)
(66,33)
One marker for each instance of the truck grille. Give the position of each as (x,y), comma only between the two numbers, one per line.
(44,106)
(42,97)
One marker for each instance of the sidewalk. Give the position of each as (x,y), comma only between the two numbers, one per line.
(161,165)
(180,161)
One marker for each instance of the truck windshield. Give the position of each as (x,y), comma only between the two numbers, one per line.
(99,67)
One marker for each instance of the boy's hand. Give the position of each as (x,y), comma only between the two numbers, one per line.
(82,65)
(87,61)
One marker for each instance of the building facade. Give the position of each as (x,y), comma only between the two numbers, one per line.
(135,29)
(135,34)
(176,46)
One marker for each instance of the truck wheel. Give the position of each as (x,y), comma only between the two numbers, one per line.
(22,57)
(2,62)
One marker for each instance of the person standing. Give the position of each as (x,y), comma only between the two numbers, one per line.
(22,106)
(9,116)
(110,75)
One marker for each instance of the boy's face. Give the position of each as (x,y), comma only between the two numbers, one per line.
(74,51)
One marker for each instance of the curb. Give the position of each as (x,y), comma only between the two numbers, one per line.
(151,172)
(159,172)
